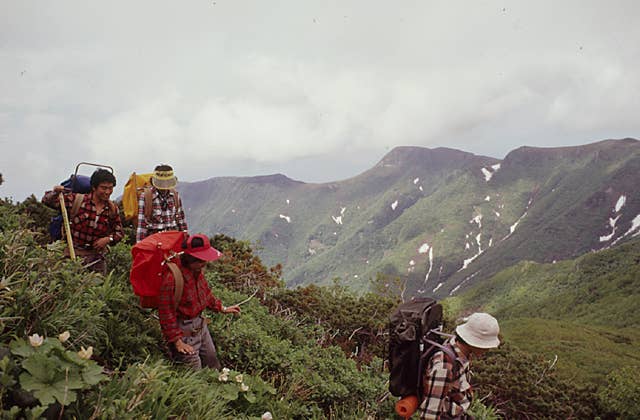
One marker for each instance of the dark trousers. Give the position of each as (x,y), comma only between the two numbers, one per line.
(91,259)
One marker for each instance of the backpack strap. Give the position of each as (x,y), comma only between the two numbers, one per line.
(179,283)
(432,347)
(148,203)
(177,198)
(113,211)
(77,202)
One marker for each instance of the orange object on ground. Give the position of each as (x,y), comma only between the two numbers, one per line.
(407,406)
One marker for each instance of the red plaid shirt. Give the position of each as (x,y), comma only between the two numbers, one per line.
(447,392)
(88,225)
(196,296)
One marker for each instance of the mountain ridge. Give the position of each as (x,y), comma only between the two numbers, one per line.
(439,218)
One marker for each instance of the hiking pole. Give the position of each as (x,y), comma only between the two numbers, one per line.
(67,227)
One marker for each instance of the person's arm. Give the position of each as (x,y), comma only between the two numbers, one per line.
(216,305)
(166,310)
(116,228)
(434,387)
(141,231)
(181,220)
(50,198)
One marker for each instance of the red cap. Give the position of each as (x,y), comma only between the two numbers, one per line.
(199,246)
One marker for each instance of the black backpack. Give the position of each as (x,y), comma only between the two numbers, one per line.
(415,334)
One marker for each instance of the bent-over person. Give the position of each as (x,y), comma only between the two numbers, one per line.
(182,324)
(447,391)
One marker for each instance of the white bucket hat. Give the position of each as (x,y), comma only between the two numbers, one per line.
(481,330)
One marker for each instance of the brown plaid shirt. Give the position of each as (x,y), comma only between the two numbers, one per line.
(196,296)
(447,392)
(88,225)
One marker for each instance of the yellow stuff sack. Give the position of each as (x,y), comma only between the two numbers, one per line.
(132,189)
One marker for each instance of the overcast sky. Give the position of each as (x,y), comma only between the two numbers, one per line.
(317,90)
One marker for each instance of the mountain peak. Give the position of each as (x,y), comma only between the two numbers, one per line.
(274,179)
(414,155)
(539,154)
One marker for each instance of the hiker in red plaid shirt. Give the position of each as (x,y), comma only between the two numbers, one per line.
(182,325)
(447,391)
(96,223)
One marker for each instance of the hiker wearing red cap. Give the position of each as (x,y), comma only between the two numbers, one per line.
(447,392)
(182,324)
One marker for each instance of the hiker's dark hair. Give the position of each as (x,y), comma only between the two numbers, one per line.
(100,176)
(163,167)
(187,259)
(461,340)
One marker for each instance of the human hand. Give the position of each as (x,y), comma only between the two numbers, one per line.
(100,243)
(235,309)
(58,188)
(184,348)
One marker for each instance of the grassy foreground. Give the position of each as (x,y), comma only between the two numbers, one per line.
(75,344)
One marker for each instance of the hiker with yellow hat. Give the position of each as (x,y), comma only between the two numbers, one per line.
(447,391)
(159,205)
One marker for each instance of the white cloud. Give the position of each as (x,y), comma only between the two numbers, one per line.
(189,84)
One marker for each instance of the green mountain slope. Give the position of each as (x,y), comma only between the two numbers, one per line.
(441,219)
(582,310)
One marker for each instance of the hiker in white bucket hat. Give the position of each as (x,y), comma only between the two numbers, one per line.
(481,330)
(447,391)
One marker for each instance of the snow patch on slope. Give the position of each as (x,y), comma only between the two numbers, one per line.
(614,220)
(635,224)
(430,265)
(287,218)
(620,203)
(487,174)
(468,261)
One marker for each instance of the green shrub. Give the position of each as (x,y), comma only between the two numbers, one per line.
(523,385)
(42,372)
(621,395)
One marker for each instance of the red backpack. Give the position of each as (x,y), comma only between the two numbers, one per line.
(151,257)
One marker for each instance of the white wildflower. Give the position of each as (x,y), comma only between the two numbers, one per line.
(267,416)
(35,340)
(244,388)
(239,378)
(223,377)
(225,371)
(85,353)
(64,336)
